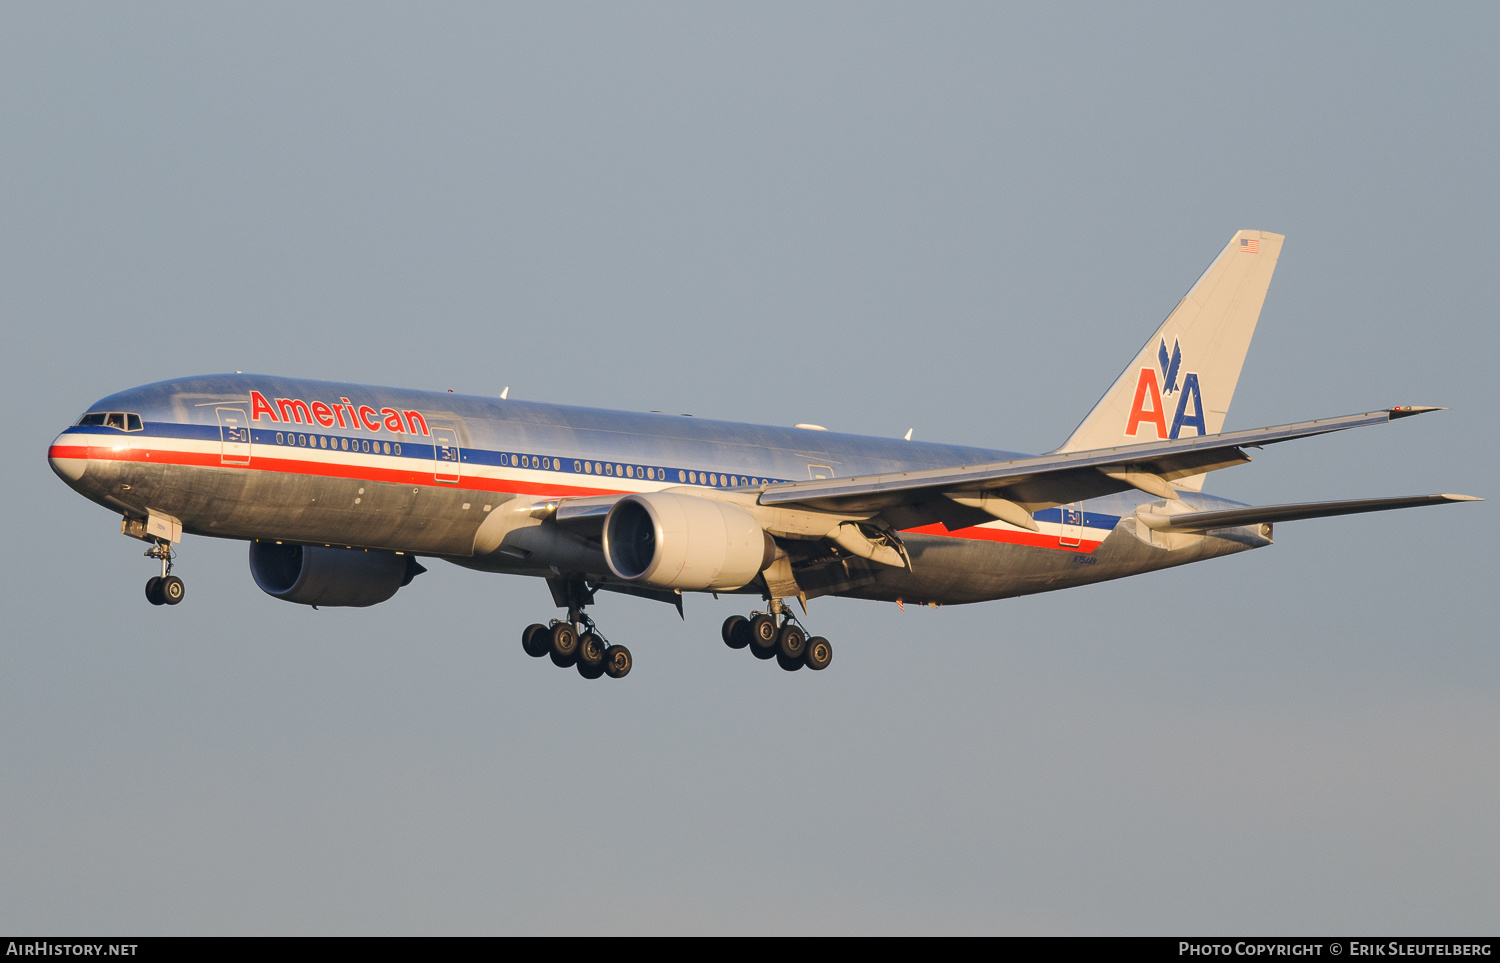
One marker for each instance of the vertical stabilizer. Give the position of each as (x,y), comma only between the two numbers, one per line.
(1180,383)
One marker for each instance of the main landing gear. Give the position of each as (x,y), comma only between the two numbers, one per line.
(166,588)
(787,642)
(566,645)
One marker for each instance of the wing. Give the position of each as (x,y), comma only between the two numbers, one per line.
(1014,489)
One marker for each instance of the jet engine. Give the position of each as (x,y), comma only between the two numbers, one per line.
(310,575)
(673,541)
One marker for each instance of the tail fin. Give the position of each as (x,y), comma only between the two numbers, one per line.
(1181,381)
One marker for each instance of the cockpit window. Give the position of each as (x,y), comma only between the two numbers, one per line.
(123,420)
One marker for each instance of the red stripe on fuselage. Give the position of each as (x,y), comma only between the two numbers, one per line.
(298,466)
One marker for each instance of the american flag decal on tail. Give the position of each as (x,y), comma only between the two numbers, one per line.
(1249,245)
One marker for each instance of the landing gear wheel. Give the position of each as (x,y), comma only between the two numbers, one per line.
(153,591)
(789,664)
(736,632)
(564,647)
(763,634)
(590,652)
(617,661)
(759,653)
(591,671)
(818,654)
(171,590)
(535,640)
(791,642)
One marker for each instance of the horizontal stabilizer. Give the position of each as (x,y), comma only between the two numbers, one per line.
(1255,515)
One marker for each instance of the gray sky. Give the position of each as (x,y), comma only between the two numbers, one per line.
(958,218)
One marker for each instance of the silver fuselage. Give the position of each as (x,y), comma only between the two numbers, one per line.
(348,465)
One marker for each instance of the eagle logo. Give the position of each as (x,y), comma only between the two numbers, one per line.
(1169,365)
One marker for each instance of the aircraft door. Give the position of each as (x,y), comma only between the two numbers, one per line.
(446,454)
(234,436)
(1072,526)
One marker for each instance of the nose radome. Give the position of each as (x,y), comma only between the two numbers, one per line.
(68,465)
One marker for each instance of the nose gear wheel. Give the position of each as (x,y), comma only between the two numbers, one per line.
(166,588)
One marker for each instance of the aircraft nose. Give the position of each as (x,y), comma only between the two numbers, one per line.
(68,461)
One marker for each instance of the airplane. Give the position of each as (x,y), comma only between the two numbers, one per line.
(340,489)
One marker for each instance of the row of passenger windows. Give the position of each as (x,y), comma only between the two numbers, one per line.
(543,462)
(340,444)
(123,420)
(648,472)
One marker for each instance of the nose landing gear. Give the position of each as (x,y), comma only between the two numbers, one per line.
(166,588)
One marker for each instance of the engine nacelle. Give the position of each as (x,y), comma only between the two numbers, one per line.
(685,542)
(310,575)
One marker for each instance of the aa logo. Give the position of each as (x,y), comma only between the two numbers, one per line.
(1149,406)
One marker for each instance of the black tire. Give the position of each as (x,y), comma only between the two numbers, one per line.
(736,632)
(791,642)
(172,590)
(617,662)
(563,644)
(791,665)
(591,671)
(760,653)
(535,640)
(763,633)
(153,591)
(818,654)
(590,651)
